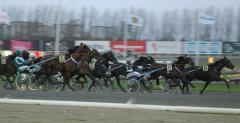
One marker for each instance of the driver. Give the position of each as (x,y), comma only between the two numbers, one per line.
(20,63)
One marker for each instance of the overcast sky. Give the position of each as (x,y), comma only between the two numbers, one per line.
(151,5)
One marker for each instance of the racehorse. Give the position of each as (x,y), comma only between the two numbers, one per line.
(77,62)
(213,73)
(156,70)
(115,71)
(52,64)
(9,69)
(108,58)
(118,69)
(93,67)
(143,61)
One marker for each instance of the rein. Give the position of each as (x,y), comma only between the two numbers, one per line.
(115,67)
(177,69)
(192,71)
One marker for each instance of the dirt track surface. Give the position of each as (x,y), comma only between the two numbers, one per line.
(221,100)
(11,113)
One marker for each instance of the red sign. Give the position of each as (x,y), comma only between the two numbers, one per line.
(136,46)
(20,45)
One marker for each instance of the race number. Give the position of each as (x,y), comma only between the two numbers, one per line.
(205,68)
(169,67)
(62,58)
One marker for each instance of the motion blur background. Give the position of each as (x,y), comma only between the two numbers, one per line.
(166,28)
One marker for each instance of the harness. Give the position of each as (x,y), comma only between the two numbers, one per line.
(71,58)
(178,69)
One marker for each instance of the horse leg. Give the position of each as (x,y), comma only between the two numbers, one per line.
(93,82)
(92,78)
(160,85)
(205,86)
(67,78)
(63,86)
(11,81)
(191,85)
(6,82)
(111,83)
(226,82)
(106,82)
(119,84)
(184,84)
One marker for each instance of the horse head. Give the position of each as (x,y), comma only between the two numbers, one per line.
(151,60)
(228,63)
(180,60)
(25,55)
(96,62)
(72,50)
(143,61)
(189,60)
(109,56)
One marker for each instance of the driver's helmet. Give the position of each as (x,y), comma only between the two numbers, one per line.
(18,52)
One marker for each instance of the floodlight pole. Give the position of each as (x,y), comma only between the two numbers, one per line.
(125,38)
(58,28)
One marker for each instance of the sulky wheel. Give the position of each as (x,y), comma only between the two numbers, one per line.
(133,86)
(22,81)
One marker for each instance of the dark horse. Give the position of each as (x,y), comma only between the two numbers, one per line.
(8,70)
(155,70)
(117,69)
(143,61)
(108,60)
(213,73)
(98,67)
(52,65)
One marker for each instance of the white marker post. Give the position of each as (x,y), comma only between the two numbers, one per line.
(125,38)
(58,28)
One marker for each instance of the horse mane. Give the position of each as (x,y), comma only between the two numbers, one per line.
(84,45)
(216,62)
(72,50)
(105,53)
(138,60)
(179,59)
(12,56)
(151,58)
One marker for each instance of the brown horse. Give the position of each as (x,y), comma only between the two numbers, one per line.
(77,62)
(51,65)
(94,68)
